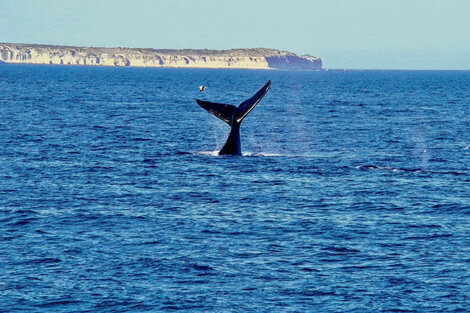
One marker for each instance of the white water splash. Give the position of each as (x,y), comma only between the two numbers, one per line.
(211,153)
(261,154)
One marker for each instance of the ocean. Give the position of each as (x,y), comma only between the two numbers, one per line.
(352,194)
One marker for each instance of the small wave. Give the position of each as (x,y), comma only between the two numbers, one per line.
(263,154)
(140,139)
(211,153)
(153,242)
(201,267)
(25,211)
(21,222)
(41,261)
(412,170)
(58,303)
(317,293)
(428,237)
(386,168)
(340,250)
(309,269)
(244,154)
(309,293)
(209,231)
(149,161)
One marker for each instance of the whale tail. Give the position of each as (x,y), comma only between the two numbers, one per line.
(233,116)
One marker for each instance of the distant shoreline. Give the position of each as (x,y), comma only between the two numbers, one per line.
(266,69)
(256,58)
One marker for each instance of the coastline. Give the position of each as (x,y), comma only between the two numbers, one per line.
(256,58)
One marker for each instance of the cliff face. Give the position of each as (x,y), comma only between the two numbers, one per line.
(236,58)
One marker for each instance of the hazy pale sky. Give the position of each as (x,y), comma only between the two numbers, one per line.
(411,34)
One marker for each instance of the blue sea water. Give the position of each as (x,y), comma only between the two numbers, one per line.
(353,193)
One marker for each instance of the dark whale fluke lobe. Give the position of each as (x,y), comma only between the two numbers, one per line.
(233,116)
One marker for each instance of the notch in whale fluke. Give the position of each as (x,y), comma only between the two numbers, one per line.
(233,116)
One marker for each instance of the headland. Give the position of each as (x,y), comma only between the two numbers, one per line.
(254,58)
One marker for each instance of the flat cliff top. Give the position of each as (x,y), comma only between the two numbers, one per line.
(253,58)
(242,52)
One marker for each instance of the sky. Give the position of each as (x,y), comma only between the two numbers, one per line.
(359,34)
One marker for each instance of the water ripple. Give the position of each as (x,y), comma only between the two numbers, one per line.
(351,194)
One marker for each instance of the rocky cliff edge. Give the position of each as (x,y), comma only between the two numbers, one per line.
(259,58)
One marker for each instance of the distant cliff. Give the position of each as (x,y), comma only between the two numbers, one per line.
(259,58)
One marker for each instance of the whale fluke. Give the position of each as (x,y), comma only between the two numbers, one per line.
(222,111)
(233,116)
